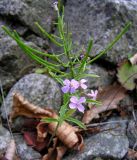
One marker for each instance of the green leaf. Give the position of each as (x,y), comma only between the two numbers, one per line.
(79,123)
(49,120)
(93,101)
(90,45)
(46,34)
(69,113)
(41,70)
(109,47)
(56,77)
(84,61)
(127,74)
(86,75)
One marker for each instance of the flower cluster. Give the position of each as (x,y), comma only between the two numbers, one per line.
(71,86)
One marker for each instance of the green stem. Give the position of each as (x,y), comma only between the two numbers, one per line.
(53,135)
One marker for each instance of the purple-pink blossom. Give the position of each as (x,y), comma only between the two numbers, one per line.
(76,103)
(70,86)
(82,83)
(93,94)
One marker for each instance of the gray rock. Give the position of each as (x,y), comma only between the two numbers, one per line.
(103,20)
(38,89)
(132,134)
(13,61)
(30,11)
(4,139)
(6,79)
(37,41)
(111,143)
(24,151)
(104,80)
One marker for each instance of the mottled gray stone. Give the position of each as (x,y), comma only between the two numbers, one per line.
(30,11)
(42,43)
(132,134)
(4,139)
(112,143)
(38,89)
(24,151)
(103,20)
(104,80)
(13,61)
(6,79)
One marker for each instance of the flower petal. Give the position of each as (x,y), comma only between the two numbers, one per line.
(83,86)
(65,89)
(74,99)
(72,90)
(66,82)
(81,108)
(83,81)
(72,106)
(82,100)
(74,83)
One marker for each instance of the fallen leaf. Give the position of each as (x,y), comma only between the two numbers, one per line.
(31,140)
(109,98)
(127,74)
(22,107)
(132,154)
(66,133)
(55,153)
(133,59)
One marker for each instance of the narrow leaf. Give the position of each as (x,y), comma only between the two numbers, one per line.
(49,120)
(79,123)
(110,46)
(48,35)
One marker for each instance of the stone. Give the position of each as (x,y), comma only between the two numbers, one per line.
(6,79)
(24,151)
(103,20)
(4,139)
(109,144)
(38,89)
(30,11)
(105,78)
(132,134)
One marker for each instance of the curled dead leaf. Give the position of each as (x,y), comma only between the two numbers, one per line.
(133,60)
(66,133)
(132,154)
(22,107)
(109,98)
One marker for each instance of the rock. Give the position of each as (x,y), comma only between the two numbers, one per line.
(111,143)
(13,62)
(38,41)
(103,20)
(104,80)
(38,89)
(132,134)
(4,139)
(24,151)
(6,79)
(30,11)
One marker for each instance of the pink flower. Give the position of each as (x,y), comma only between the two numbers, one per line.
(82,83)
(70,86)
(93,94)
(76,103)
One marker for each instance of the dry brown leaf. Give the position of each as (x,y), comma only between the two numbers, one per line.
(132,154)
(55,153)
(66,133)
(109,98)
(133,60)
(22,107)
